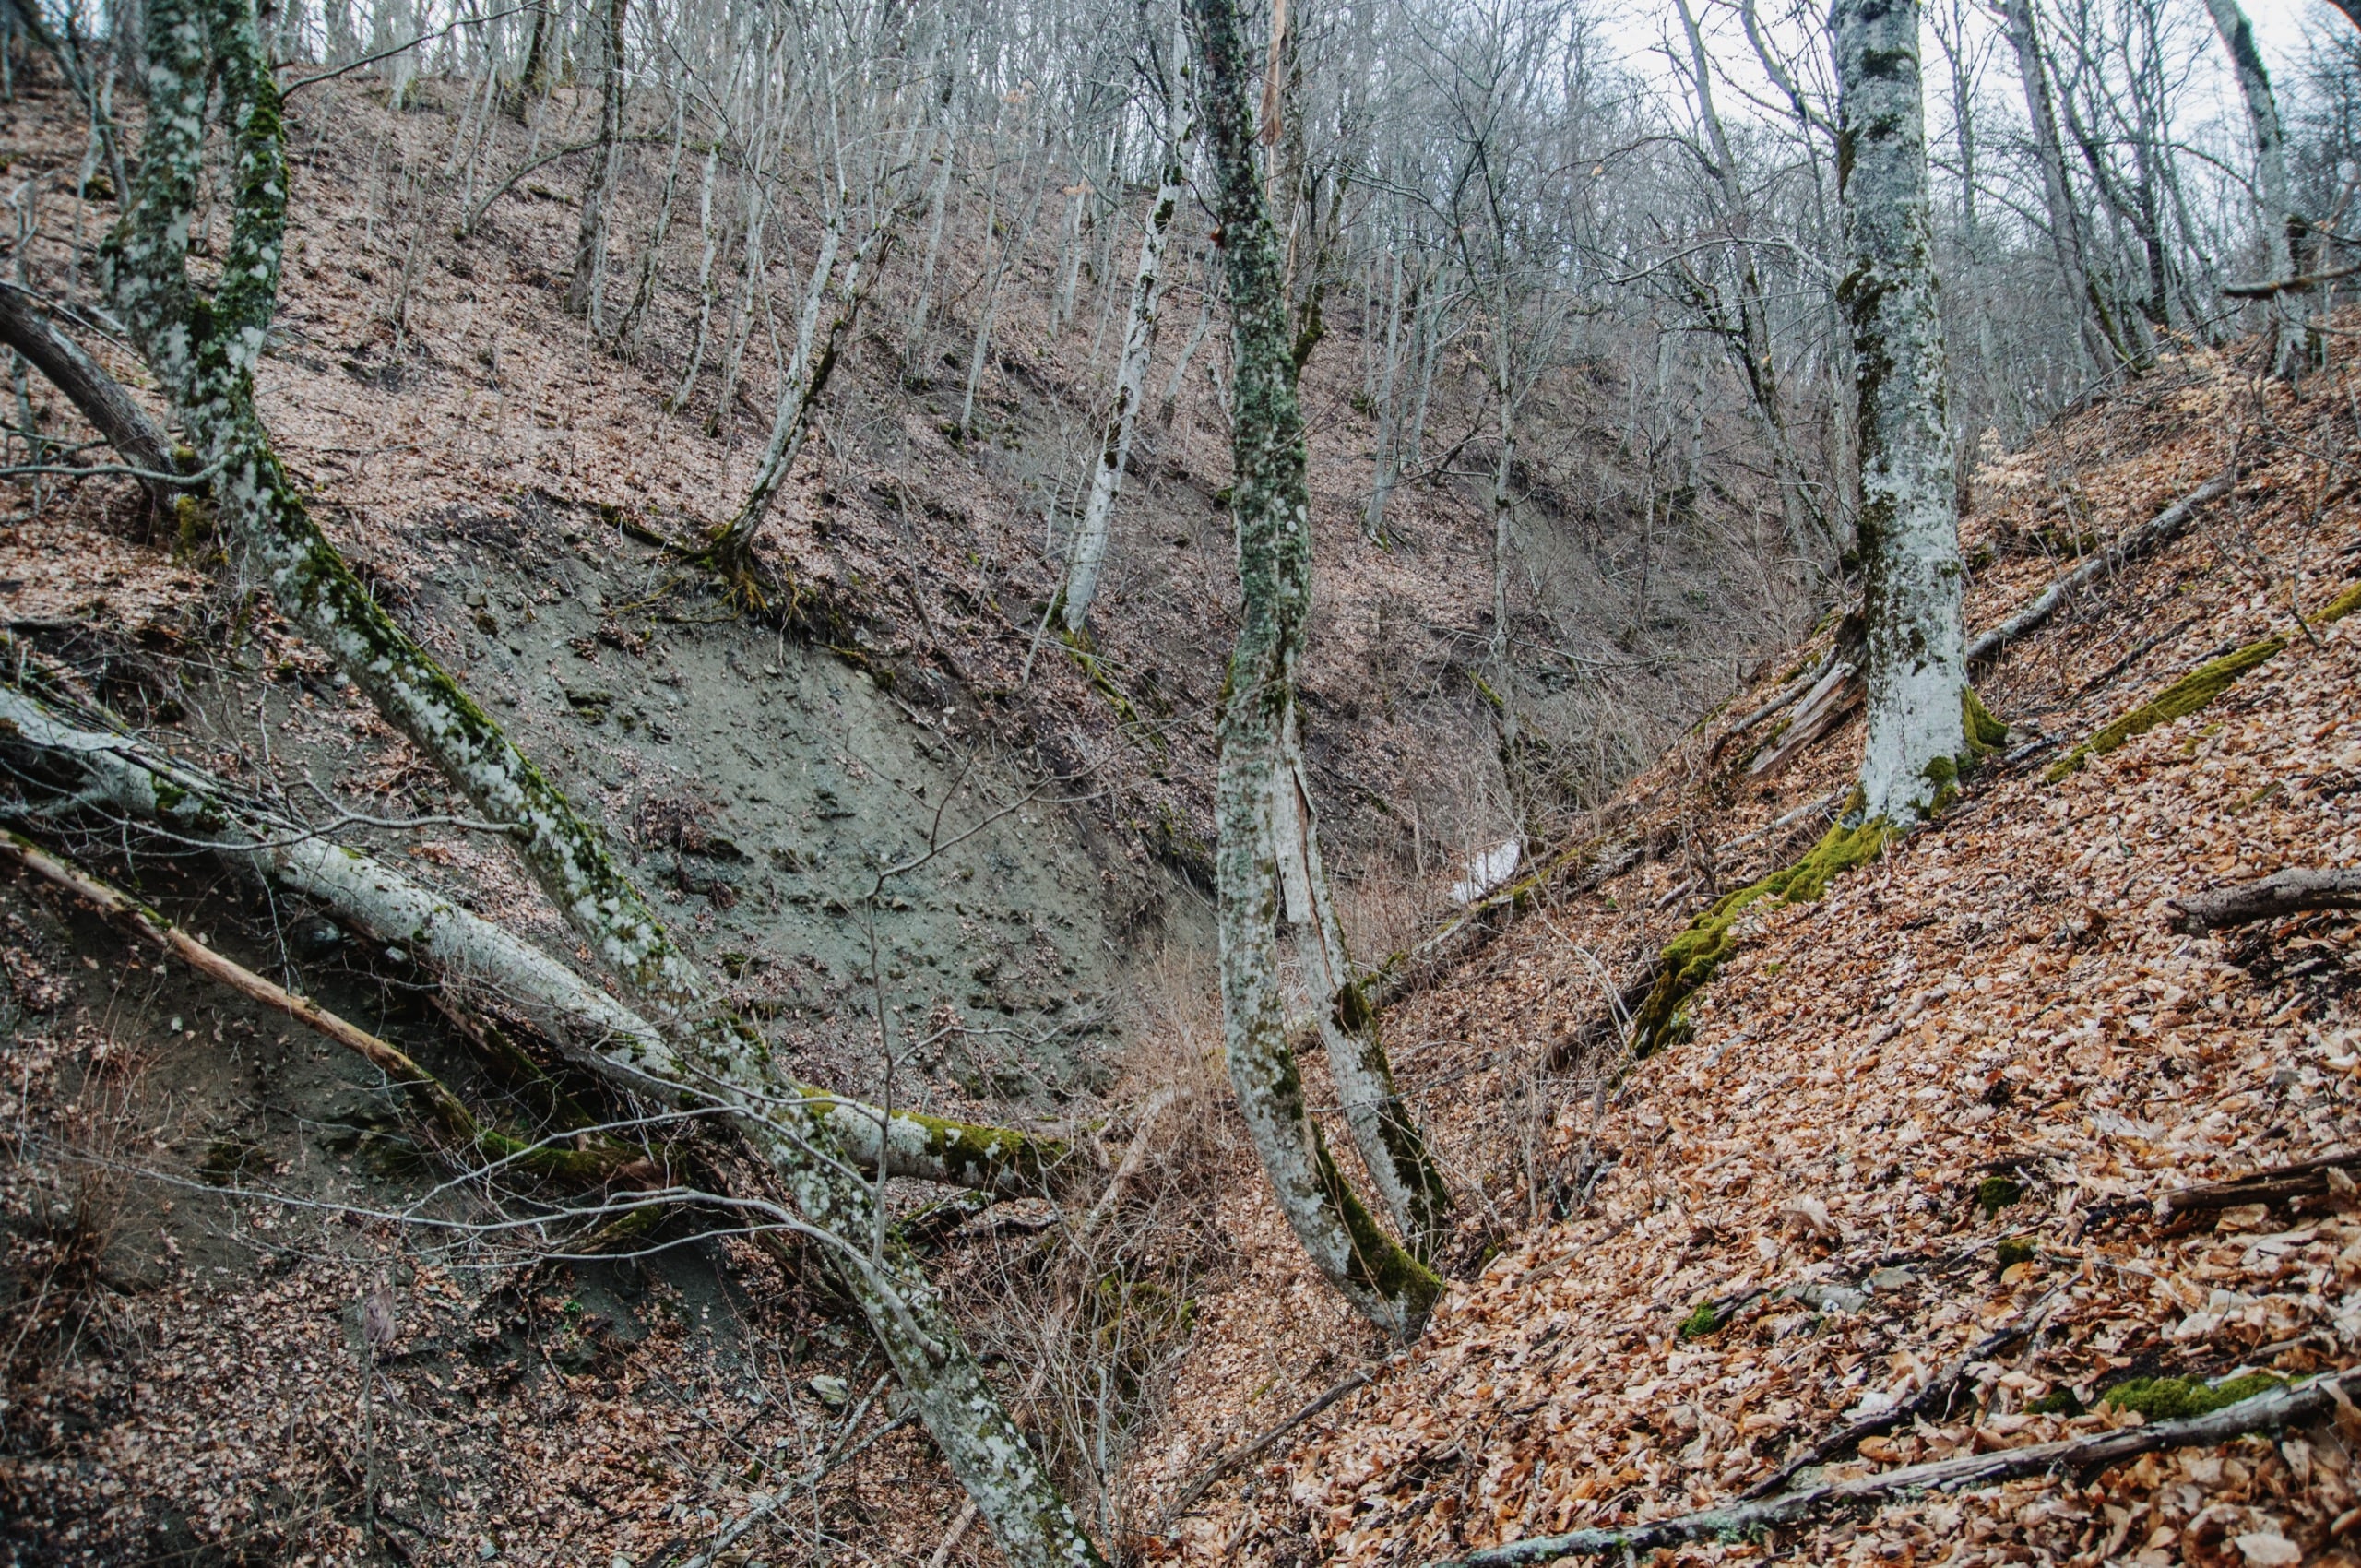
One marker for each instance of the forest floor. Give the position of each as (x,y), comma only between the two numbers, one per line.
(1940,1102)
(200,1200)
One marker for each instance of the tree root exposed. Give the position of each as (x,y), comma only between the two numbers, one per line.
(2288,1404)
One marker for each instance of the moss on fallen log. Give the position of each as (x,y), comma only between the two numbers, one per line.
(1690,960)
(2183,697)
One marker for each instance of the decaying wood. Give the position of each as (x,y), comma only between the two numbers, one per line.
(2297,892)
(2292,1404)
(1933,1400)
(1833,695)
(2306,1179)
(2134,544)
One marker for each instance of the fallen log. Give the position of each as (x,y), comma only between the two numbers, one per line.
(28,327)
(603,1160)
(2292,892)
(1831,698)
(2289,1404)
(2281,1184)
(141,781)
(2149,537)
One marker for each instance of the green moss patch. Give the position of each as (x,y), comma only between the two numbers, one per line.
(2183,697)
(1996,1193)
(1690,960)
(2177,1398)
(1702,1323)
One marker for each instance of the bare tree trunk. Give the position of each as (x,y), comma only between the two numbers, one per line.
(1909,527)
(1271,507)
(1130,369)
(28,329)
(206,362)
(817,348)
(2271,180)
(587,295)
(2058,195)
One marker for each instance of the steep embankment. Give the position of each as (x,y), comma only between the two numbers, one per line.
(1918,1135)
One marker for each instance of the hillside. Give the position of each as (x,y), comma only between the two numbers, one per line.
(1933,1115)
(330,1239)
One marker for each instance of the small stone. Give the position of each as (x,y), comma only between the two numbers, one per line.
(829,1391)
(1890,1279)
(485,1549)
(619,1561)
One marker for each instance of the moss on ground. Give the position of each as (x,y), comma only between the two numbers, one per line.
(1690,960)
(2177,1398)
(1996,1193)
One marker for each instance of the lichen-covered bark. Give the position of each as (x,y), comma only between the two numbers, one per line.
(2271,178)
(1130,370)
(1271,507)
(204,353)
(1909,527)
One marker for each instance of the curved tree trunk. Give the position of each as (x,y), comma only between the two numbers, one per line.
(1272,510)
(1909,525)
(206,362)
(2271,180)
(27,327)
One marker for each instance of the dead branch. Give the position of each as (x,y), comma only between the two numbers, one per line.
(2281,1184)
(2283,893)
(2300,284)
(1203,1480)
(2289,1404)
(2148,538)
(604,1160)
(28,327)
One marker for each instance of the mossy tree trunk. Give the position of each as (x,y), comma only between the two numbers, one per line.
(1909,523)
(1271,507)
(204,352)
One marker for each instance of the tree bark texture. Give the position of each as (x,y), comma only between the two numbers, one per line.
(1909,525)
(2273,897)
(204,355)
(1271,509)
(1130,369)
(27,327)
(2271,178)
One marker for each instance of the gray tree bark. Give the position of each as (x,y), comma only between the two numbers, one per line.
(1271,507)
(1909,527)
(2271,180)
(206,360)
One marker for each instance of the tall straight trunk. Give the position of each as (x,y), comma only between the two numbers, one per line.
(2270,179)
(587,296)
(2102,341)
(534,80)
(204,356)
(938,202)
(1909,523)
(1381,487)
(632,328)
(710,239)
(1271,506)
(1169,404)
(1131,372)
